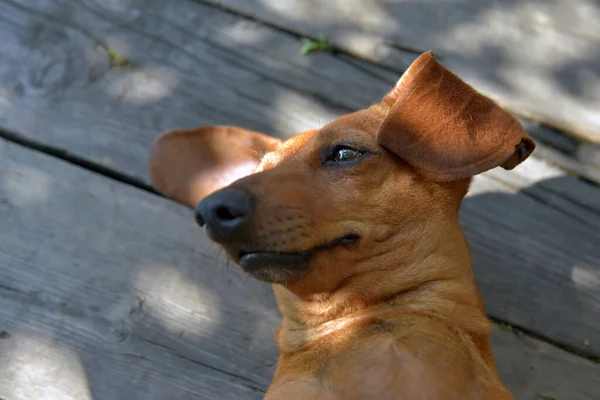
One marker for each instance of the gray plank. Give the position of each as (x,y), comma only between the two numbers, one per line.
(124,279)
(237,63)
(109,292)
(536,257)
(539,59)
(589,153)
(194,65)
(534,370)
(48,352)
(192,60)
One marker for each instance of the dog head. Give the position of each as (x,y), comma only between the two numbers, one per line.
(311,210)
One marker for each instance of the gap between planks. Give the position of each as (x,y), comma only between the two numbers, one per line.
(139,184)
(561,150)
(530,368)
(386,49)
(554,154)
(129,136)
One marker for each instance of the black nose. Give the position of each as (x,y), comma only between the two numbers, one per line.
(225,213)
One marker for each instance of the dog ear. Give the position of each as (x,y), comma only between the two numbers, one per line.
(189,164)
(444,129)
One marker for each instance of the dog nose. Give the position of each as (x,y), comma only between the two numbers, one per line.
(225,212)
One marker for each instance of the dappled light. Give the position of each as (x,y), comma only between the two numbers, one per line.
(534,170)
(373,15)
(5,98)
(537,57)
(42,369)
(238,34)
(524,75)
(109,291)
(27,185)
(587,277)
(140,86)
(182,306)
(124,10)
(300,114)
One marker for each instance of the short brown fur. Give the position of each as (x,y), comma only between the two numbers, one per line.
(398,314)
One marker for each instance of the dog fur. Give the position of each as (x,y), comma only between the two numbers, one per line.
(385,305)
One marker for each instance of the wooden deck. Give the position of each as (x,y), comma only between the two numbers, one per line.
(108,291)
(538,58)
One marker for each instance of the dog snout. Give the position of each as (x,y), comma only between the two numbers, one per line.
(225,213)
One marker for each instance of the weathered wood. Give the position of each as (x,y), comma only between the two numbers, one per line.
(189,59)
(571,164)
(540,59)
(529,368)
(49,352)
(589,153)
(194,65)
(203,65)
(126,281)
(108,292)
(535,253)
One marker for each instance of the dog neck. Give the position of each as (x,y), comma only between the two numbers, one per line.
(438,284)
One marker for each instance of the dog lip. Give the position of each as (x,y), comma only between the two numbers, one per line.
(278,267)
(346,240)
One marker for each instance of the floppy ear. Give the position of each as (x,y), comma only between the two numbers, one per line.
(189,164)
(446,130)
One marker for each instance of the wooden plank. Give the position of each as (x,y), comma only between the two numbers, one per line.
(195,65)
(125,281)
(536,58)
(249,61)
(49,353)
(181,64)
(108,292)
(111,293)
(535,255)
(529,367)
(590,154)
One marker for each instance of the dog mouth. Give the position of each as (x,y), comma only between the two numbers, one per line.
(283,267)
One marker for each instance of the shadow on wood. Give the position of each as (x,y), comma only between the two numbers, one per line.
(105,277)
(102,278)
(539,58)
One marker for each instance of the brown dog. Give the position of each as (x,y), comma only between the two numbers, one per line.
(356,225)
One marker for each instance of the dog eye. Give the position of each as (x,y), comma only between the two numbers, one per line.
(344,154)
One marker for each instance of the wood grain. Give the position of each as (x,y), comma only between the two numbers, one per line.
(109,292)
(126,281)
(201,64)
(48,351)
(534,370)
(533,231)
(539,59)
